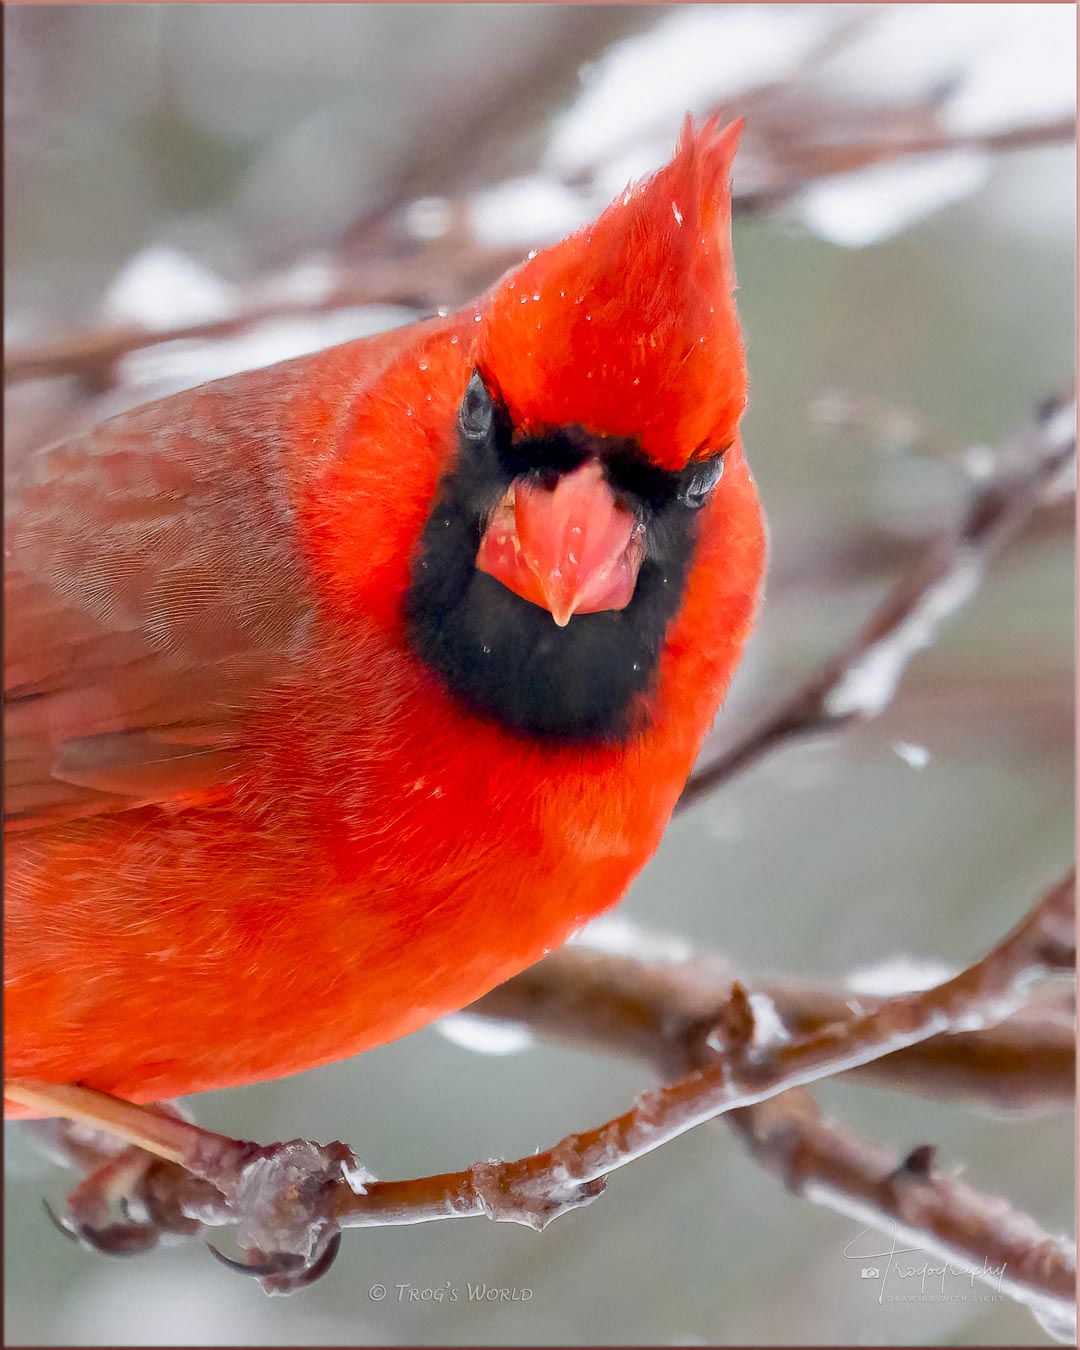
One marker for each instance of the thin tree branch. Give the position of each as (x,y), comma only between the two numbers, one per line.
(799,164)
(916,1206)
(739,1073)
(657,1010)
(413,281)
(859,683)
(829,1165)
(661,1010)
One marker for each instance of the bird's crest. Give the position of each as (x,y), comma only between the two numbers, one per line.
(628,327)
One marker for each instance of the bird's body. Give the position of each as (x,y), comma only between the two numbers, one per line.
(274,793)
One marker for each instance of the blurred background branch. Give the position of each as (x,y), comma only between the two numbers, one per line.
(859,683)
(452,269)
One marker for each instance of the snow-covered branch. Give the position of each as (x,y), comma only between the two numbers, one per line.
(859,683)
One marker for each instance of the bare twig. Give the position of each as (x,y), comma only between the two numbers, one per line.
(663,1008)
(657,1012)
(859,683)
(1024,1065)
(536,1190)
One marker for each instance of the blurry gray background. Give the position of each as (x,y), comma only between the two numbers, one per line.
(170,165)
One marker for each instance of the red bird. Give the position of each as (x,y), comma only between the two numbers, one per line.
(340,691)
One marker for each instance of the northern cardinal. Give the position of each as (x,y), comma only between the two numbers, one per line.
(340,691)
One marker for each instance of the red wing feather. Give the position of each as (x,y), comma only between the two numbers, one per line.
(153,589)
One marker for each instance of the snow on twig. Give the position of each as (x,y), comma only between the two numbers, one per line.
(859,683)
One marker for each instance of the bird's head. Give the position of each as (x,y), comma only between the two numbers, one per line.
(612,355)
(608,382)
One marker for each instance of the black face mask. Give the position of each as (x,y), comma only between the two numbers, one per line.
(504,657)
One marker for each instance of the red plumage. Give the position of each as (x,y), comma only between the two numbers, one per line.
(251,829)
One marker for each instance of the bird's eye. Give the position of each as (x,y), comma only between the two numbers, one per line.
(700,482)
(477,412)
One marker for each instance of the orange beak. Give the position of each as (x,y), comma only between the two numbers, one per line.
(572,549)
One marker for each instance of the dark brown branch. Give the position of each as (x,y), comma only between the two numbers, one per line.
(661,1010)
(859,683)
(658,1011)
(944,1218)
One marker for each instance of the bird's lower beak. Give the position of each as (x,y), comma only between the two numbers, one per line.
(573,549)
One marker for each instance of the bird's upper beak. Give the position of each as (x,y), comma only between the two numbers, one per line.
(571,548)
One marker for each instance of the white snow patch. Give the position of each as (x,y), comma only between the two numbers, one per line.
(687,62)
(898,975)
(630,165)
(1024,73)
(484,1035)
(528,210)
(620,937)
(356,1177)
(995,61)
(1061,428)
(428,218)
(979,463)
(163,288)
(768,1027)
(916,755)
(875,203)
(172,366)
(870,681)
(309,282)
(1059,1323)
